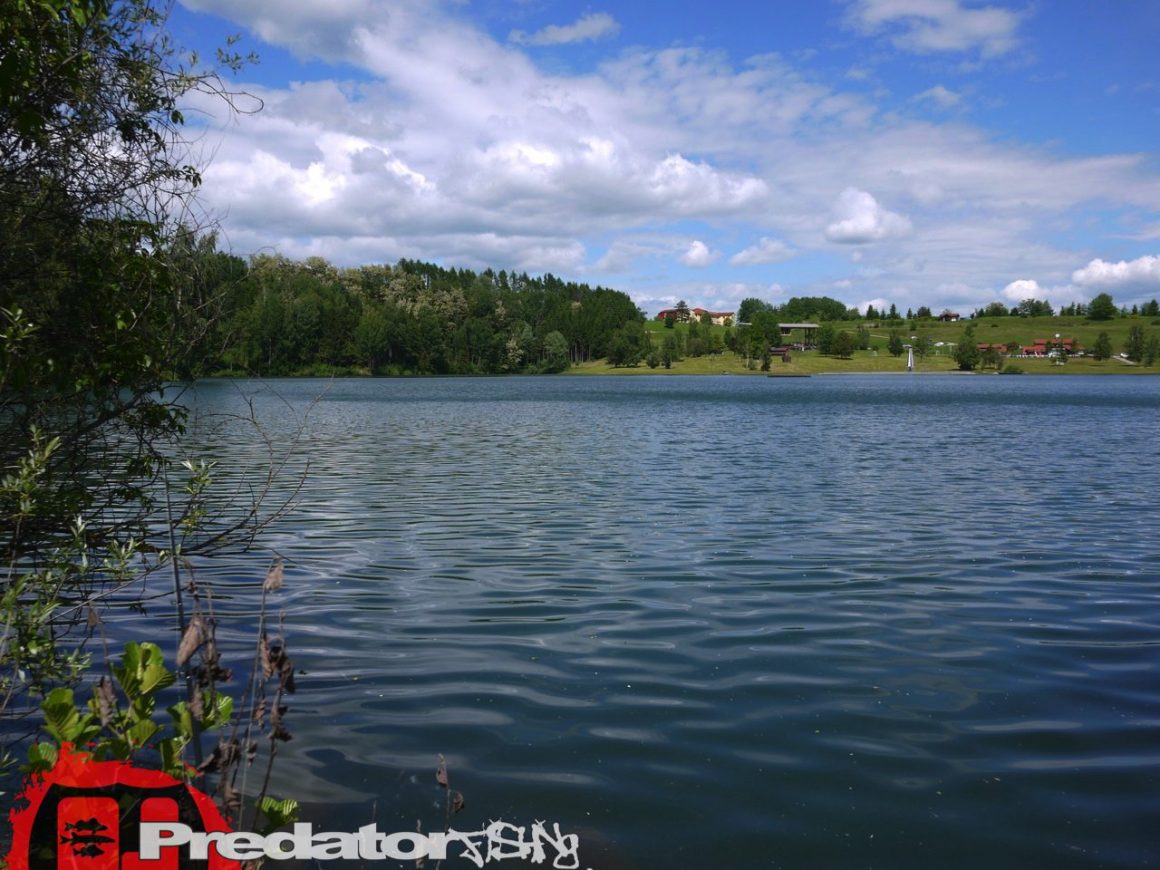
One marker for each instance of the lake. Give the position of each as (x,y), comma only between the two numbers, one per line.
(852,621)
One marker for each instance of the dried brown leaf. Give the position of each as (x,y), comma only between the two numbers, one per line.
(273,577)
(224,755)
(193,638)
(231,798)
(280,733)
(441,773)
(264,657)
(92,618)
(457,802)
(196,706)
(106,699)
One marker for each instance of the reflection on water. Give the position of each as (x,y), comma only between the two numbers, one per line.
(865,621)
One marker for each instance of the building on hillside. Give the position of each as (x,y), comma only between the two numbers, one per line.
(809,333)
(1048,346)
(1042,347)
(717,317)
(949,316)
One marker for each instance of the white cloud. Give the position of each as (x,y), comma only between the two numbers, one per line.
(1024,288)
(926,26)
(939,96)
(1139,273)
(765,251)
(878,302)
(716,297)
(594,26)
(698,255)
(449,145)
(619,257)
(862,220)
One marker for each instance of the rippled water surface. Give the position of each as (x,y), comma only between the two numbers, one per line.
(727,622)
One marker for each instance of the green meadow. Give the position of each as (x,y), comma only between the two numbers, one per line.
(992,330)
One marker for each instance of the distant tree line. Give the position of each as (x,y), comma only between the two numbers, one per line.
(1102,307)
(825,309)
(276,316)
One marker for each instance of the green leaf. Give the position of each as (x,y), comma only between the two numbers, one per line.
(171,750)
(182,718)
(41,757)
(277,813)
(63,721)
(140,733)
(142,671)
(218,710)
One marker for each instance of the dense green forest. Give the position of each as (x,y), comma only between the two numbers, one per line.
(275,316)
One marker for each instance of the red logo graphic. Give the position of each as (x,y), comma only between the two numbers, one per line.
(86,815)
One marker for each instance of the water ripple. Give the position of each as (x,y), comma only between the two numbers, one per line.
(727,622)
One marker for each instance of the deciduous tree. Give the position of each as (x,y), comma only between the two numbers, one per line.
(843,345)
(967,354)
(1134,346)
(894,343)
(1102,347)
(1103,307)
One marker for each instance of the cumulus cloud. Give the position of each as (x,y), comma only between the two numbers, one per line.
(599,25)
(927,26)
(1024,288)
(698,255)
(940,97)
(765,251)
(1141,272)
(447,144)
(714,296)
(878,302)
(861,220)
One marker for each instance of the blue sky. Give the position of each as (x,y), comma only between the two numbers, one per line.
(917,152)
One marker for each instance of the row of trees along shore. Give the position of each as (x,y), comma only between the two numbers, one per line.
(824,308)
(284,317)
(104,294)
(276,316)
(842,331)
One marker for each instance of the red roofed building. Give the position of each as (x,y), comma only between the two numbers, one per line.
(717,317)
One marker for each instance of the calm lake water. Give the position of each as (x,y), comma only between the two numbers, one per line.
(707,622)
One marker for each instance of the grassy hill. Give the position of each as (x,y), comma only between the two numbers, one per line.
(992,330)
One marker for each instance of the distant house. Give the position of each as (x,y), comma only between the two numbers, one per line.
(717,317)
(1047,346)
(949,316)
(808,328)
